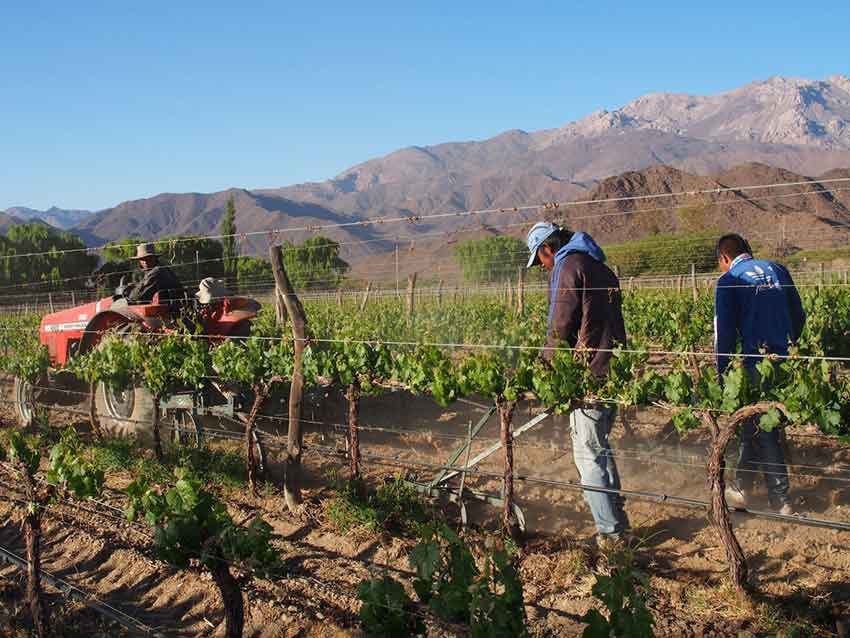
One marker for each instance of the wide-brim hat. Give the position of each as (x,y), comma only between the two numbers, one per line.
(211,289)
(143,251)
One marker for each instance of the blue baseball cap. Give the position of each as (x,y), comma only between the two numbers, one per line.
(540,232)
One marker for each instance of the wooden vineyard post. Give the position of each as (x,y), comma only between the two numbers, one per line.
(520,291)
(506,413)
(339,297)
(50,302)
(292,458)
(694,288)
(440,294)
(411,286)
(821,278)
(353,396)
(509,294)
(680,284)
(365,298)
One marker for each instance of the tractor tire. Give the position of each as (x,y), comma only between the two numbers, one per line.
(24,399)
(124,414)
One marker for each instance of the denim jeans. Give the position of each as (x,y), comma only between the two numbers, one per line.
(762,450)
(589,429)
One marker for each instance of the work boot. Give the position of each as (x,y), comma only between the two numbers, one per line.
(786,510)
(735,496)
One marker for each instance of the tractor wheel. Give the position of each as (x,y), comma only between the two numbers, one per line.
(126,412)
(24,403)
(186,430)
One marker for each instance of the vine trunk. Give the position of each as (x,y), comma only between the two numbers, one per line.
(231,596)
(506,413)
(353,396)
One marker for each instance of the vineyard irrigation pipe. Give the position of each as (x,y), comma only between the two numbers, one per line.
(272,233)
(75,593)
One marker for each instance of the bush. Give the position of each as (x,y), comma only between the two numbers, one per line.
(663,254)
(491,259)
(394,506)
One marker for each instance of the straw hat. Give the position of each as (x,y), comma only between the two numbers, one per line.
(211,289)
(143,251)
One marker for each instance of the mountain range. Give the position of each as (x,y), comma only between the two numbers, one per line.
(776,128)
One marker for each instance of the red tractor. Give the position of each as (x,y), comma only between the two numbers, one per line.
(75,331)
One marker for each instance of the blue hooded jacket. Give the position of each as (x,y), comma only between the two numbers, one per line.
(756,302)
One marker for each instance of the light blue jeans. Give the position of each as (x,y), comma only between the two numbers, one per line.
(589,429)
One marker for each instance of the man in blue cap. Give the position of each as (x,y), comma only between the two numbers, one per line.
(585,313)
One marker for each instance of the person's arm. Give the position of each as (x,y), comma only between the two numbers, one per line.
(795,304)
(725,323)
(564,312)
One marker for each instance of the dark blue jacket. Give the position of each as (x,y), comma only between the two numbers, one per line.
(756,302)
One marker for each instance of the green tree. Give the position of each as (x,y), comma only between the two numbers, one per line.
(491,258)
(53,257)
(252,272)
(315,263)
(192,258)
(228,241)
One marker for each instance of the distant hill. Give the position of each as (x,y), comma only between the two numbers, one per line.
(57,217)
(776,130)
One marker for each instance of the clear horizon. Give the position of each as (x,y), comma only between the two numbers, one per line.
(106,104)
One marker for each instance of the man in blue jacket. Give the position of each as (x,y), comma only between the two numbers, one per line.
(757,304)
(585,312)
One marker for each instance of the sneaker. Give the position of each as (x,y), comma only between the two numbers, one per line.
(735,496)
(786,510)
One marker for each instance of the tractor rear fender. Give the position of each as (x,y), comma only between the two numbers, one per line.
(102,322)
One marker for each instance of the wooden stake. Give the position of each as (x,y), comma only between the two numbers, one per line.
(365,296)
(520,291)
(411,285)
(292,459)
(694,288)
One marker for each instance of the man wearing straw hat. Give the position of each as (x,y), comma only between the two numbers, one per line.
(157,278)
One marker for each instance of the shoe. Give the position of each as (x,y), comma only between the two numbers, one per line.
(735,497)
(786,510)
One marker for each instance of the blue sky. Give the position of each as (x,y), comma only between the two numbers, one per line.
(106,101)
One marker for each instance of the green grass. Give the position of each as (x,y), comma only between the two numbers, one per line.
(218,467)
(393,506)
(817,256)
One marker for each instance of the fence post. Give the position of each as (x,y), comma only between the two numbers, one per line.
(411,285)
(440,293)
(339,297)
(397,282)
(365,296)
(73,298)
(821,274)
(292,458)
(509,294)
(520,290)
(694,281)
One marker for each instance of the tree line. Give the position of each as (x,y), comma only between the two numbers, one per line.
(60,260)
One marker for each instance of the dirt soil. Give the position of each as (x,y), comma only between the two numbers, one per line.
(800,573)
